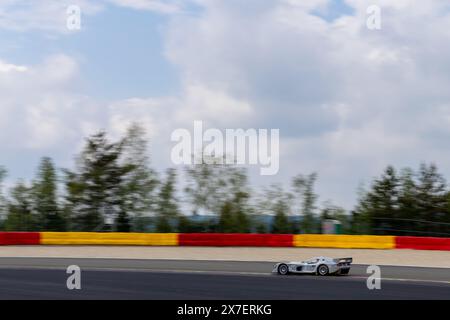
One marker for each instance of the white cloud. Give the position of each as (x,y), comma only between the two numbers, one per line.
(154,114)
(347,100)
(8,67)
(51,16)
(47,15)
(166,6)
(38,109)
(202,102)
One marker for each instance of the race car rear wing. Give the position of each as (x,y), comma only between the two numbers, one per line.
(344,260)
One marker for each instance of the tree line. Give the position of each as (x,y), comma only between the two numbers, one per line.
(112,187)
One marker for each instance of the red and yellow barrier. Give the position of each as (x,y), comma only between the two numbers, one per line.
(344,241)
(225,240)
(235,240)
(422,243)
(19,238)
(109,238)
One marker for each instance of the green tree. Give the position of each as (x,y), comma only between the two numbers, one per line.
(431,194)
(45,198)
(122,222)
(184,224)
(139,184)
(94,190)
(2,198)
(360,220)
(275,201)
(281,223)
(243,221)
(380,204)
(411,203)
(261,228)
(206,185)
(222,189)
(233,219)
(20,211)
(234,213)
(408,205)
(304,188)
(227,221)
(167,205)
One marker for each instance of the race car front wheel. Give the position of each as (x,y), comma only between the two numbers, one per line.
(283,269)
(322,270)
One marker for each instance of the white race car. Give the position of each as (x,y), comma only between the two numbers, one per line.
(318,265)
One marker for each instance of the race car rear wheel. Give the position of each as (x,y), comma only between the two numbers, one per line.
(322,270)
(283,269)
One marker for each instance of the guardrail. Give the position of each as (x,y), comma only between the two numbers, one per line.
(109,238)
(225,240)
(235,240)
(19,238)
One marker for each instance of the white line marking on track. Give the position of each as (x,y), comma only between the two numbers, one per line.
(407,280)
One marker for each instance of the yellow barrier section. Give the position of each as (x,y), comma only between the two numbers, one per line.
(344,241)
(113,238)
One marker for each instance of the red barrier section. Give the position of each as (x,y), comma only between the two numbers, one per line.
(19,238)
(422,243)
(235,240)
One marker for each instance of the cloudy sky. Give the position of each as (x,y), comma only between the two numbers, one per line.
(348,100)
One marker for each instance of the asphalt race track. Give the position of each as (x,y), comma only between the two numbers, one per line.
(41,278)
